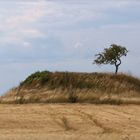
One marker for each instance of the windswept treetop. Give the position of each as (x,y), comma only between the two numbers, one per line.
(111,56)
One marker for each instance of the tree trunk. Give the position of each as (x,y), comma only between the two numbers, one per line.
(117,67)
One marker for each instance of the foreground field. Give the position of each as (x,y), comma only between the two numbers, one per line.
(69,122)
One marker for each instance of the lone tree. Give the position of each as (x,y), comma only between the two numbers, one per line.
(111,56)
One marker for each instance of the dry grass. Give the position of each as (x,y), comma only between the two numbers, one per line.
(105,82)
(64,123)
(62,87)
(69,122)
(62,96)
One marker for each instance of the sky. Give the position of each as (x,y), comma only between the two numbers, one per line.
(64,35)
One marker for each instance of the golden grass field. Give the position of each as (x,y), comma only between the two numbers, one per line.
(69,122)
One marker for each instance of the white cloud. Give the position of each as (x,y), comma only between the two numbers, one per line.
(17,26)
(27,44)
(31,33)
(124,26)
(64,13)
(78,45)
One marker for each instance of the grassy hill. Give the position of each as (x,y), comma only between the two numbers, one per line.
(61,87)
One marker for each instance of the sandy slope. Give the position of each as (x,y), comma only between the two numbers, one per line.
(69,122)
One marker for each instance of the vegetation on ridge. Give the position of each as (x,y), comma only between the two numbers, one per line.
(63,87)
(103,81)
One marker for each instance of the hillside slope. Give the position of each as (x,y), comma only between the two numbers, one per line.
(58,87)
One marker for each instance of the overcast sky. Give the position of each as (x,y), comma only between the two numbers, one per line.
(64,35)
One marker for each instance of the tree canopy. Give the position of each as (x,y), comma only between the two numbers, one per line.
(111,56)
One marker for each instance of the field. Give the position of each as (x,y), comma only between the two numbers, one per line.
(69,122)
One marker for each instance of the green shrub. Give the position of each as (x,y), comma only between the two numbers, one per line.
(37,77)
